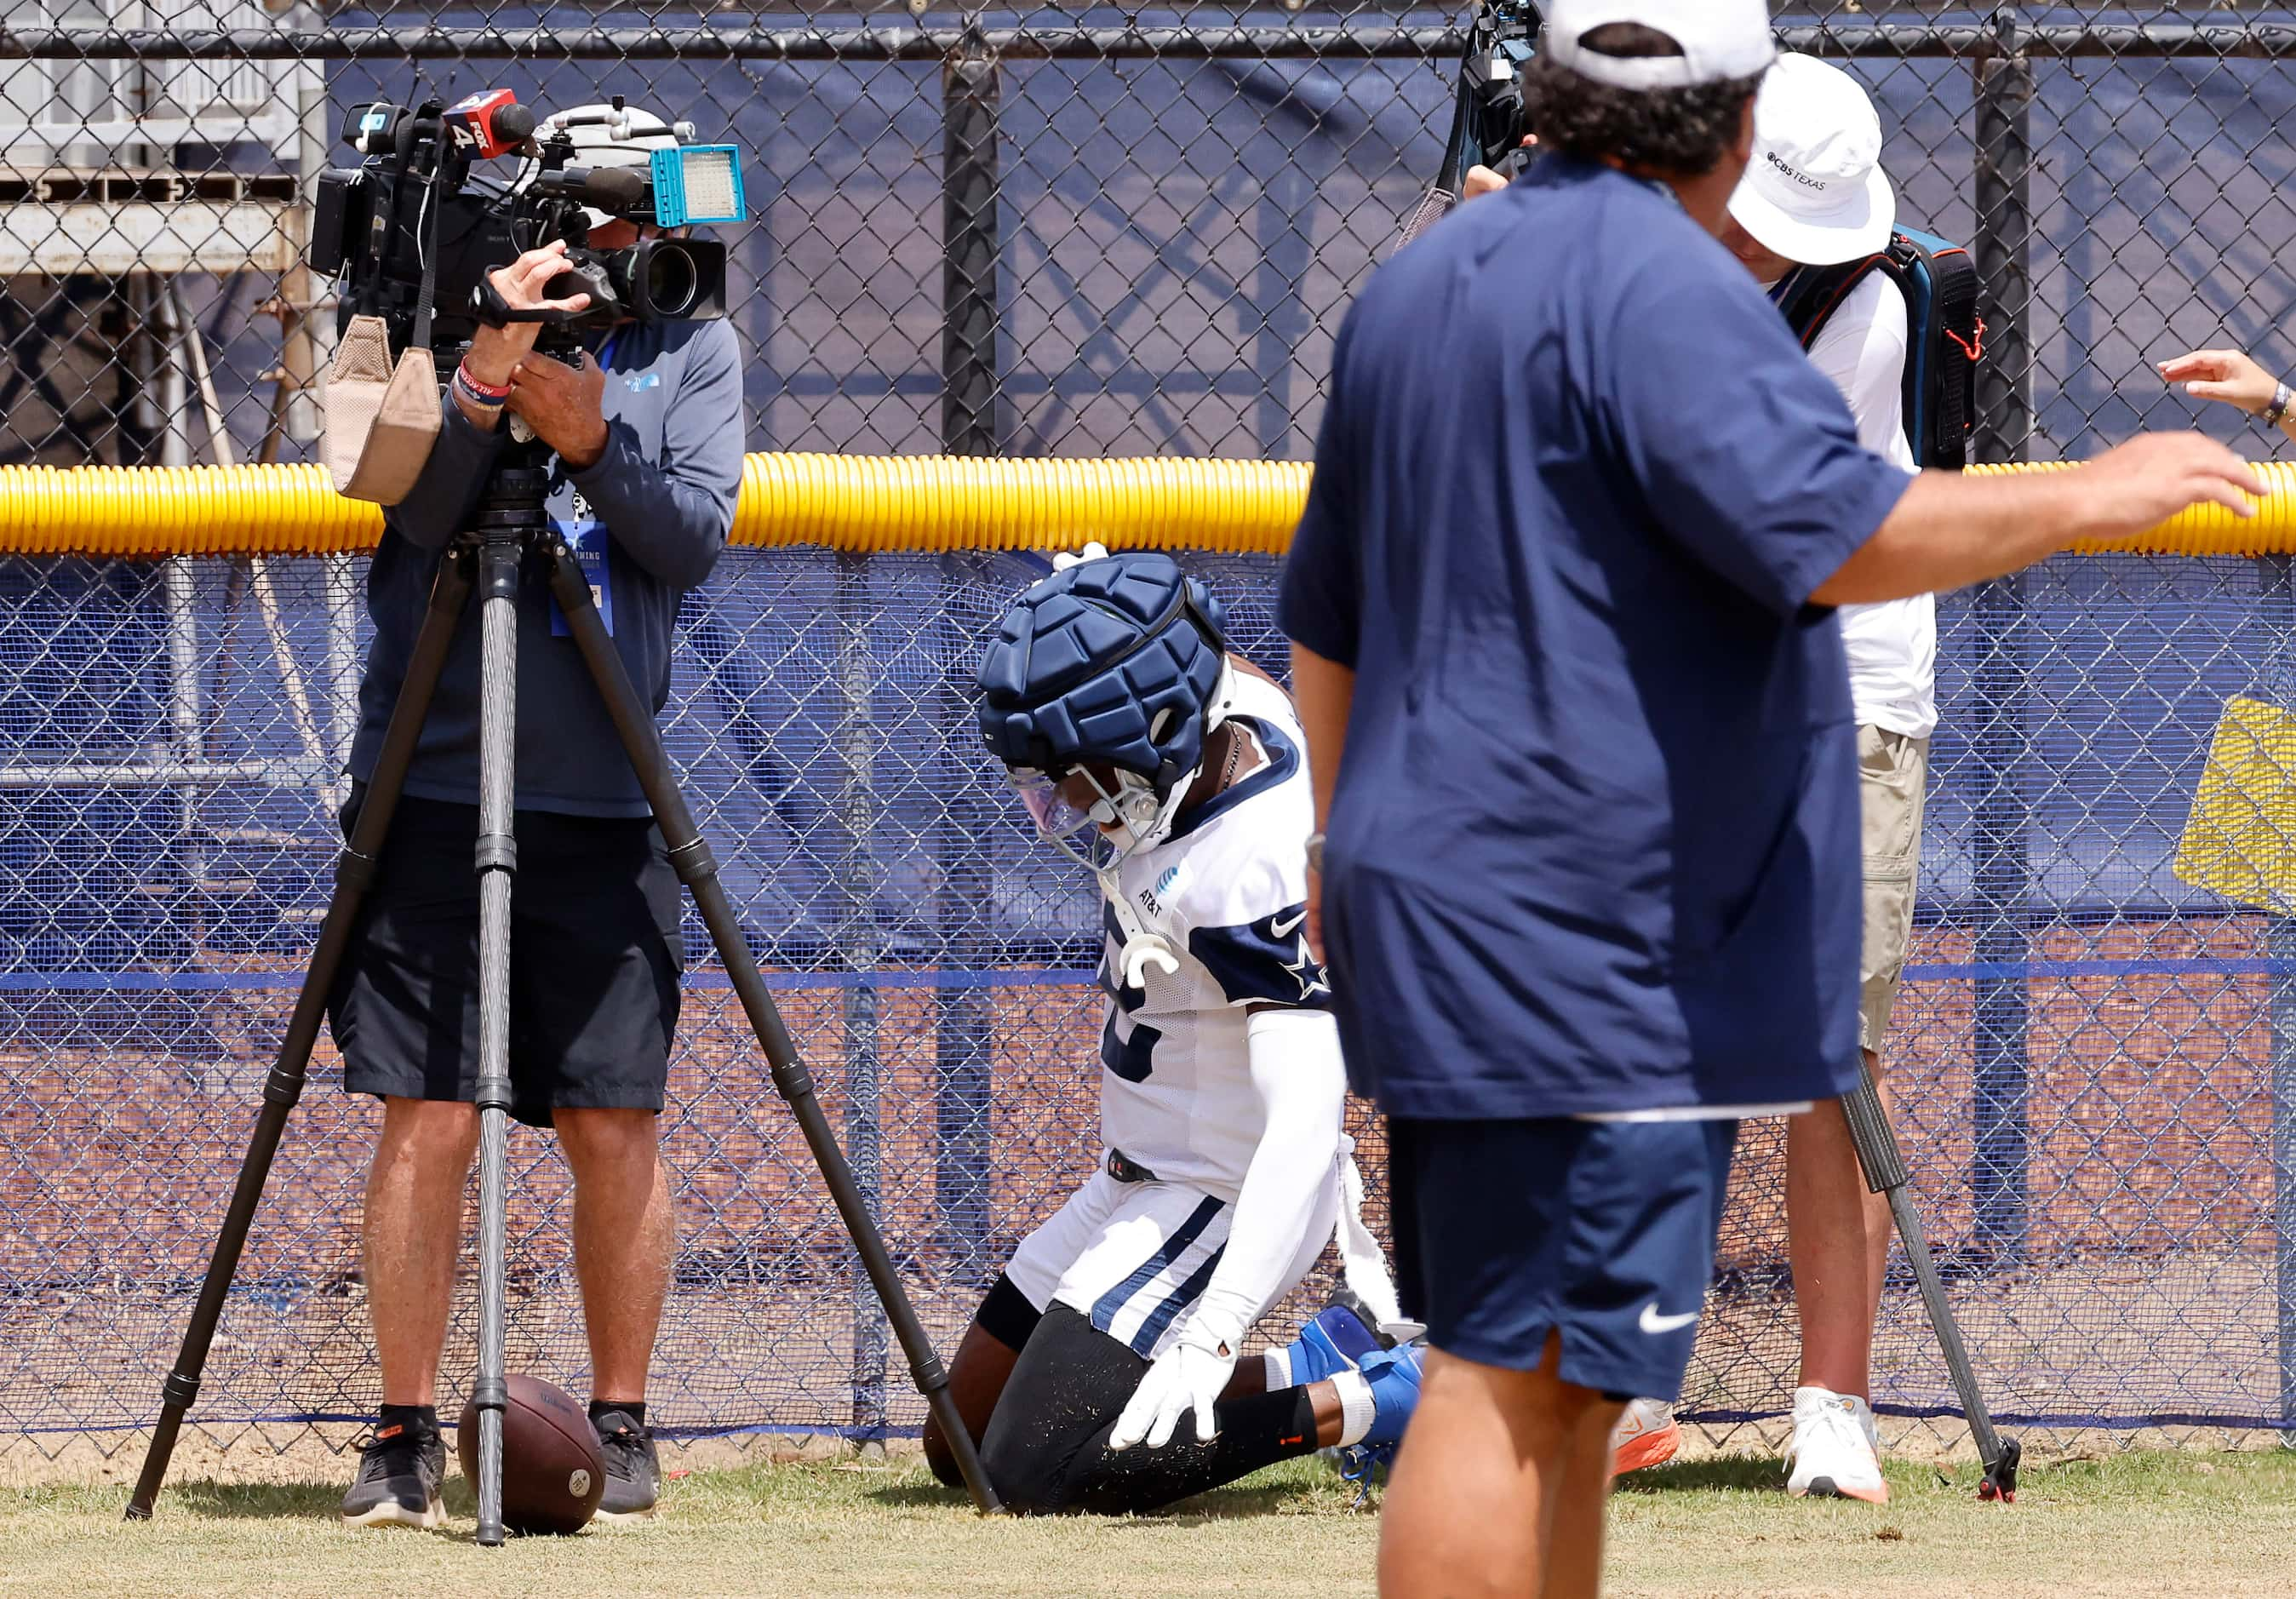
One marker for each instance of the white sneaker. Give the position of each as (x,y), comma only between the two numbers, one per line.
(1646,1435)
(1834,1453)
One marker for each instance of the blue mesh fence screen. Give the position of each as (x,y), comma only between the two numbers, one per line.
(2094,1059)
(156,918)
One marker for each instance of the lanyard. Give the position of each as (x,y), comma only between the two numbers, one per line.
(606,351)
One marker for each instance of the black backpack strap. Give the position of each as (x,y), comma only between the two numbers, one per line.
(1809,296)
(1945,332)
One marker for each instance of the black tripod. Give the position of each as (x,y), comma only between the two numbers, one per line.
(1885,1174)
(511,524)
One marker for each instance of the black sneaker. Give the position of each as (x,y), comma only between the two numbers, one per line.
(633,1474)
(399,1476)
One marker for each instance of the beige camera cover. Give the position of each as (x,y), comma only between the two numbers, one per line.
(382,420)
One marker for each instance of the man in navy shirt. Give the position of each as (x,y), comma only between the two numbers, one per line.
(1581,733)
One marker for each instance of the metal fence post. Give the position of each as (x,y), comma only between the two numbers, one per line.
(1284,224)
(971,312)
(969,249)
(186,717)
(860,953)
(2277,615)
(1999,680)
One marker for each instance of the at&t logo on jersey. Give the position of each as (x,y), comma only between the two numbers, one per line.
(1152,899)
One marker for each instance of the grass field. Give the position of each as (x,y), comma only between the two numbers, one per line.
(2153,1523)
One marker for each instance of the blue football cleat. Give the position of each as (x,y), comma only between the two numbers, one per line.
(1337,1338)
(1394,1378)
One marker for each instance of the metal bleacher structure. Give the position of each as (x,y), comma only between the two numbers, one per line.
(131,190)
(123,175)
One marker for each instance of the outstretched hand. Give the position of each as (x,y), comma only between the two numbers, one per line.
(2224,376)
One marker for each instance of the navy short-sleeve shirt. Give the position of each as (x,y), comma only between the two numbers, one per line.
(1594,844)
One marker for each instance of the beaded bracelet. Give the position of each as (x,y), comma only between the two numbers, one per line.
(2282,399)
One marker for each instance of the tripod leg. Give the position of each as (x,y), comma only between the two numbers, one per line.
(1885,1173)
(498,865)
(698,870)
(354,872)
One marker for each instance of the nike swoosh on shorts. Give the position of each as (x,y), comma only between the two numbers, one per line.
(1657,1325)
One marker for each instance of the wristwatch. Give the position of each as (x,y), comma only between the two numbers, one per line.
(2282,399)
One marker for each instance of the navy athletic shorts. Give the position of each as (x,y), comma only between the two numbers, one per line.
(594,963)
(1509,1232)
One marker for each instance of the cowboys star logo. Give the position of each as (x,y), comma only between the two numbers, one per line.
(1302,966)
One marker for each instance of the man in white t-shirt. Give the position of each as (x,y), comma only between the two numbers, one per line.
(1815,195)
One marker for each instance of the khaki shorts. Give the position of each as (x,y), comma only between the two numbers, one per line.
(1892,777)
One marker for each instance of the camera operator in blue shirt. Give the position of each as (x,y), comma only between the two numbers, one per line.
(647,429)
(1580,725)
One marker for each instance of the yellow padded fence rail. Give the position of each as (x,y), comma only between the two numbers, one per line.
(841,501)
(856,502)
(2204,529)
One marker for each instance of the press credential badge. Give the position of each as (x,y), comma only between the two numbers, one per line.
(586,536)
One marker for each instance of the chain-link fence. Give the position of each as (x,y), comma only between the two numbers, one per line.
(1070,232)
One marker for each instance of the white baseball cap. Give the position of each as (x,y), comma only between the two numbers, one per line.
(1720,40)
(1815,191)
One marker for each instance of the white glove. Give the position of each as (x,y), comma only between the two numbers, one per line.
(1066,559)
(1188,1377)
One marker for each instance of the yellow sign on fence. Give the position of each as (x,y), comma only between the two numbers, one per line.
(2240,839)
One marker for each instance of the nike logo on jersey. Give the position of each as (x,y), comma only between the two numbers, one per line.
(1658,1325)
(1284,929)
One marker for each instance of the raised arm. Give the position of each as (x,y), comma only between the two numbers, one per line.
(446,492)
(1950,529)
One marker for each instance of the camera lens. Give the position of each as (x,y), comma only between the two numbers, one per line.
(673,284)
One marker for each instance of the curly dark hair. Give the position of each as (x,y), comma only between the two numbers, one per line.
(1668,133)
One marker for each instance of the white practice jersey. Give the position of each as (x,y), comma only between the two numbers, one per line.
(1228,892)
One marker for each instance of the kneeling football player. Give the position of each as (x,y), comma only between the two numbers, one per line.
(1177,774)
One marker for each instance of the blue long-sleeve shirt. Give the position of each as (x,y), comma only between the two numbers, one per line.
(663,491)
